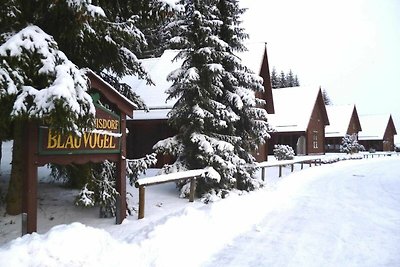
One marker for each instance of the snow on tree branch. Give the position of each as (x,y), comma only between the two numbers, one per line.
(43,80)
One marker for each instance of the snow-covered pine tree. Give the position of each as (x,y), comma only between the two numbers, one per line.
(239,88)
(290,79)
(42,85)
(326,98)
(213,91)
(83,31)
(282,80)
(296,81)
(153,16)
(274,78)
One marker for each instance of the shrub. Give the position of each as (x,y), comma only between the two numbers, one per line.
(283,152)
(350,144)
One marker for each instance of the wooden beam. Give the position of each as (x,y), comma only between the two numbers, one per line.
(263,172)
(121,175)
(29,201)
(192,189)
(141,201)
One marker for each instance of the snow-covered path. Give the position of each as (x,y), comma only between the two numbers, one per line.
(349,216)
(341,214)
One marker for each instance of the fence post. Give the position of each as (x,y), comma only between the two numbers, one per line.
(118,218)
(263,173)
(292,167)
(141,201)
(280,170)
(192,189)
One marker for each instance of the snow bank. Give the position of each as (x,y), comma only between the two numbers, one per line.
(66,245)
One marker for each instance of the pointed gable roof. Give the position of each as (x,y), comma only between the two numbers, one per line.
(256,59)
(293,108)
(340,119)
(375,126)
(115,97)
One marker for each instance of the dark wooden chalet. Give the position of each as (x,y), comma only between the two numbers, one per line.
(377,133)
(342,120)
(299,120)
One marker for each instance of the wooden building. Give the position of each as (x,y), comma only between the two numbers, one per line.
(377,133)
(299,120)
(256,58)
(146,128)
(342,120)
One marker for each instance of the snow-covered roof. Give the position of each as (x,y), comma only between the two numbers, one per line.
(154,96)
(159,68)
(153,114)
(293,108)
(253,57)
(339,120)
(373,126)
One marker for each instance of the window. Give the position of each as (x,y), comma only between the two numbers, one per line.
(315,139)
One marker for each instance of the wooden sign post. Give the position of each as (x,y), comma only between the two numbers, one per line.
(106,142)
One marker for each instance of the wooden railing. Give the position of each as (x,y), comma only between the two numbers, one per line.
(379,154)
(165,178)
(281,163)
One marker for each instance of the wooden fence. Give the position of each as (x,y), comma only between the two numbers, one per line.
(281,163)
(165,178)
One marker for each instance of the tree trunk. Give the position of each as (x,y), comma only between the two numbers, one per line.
(14,192)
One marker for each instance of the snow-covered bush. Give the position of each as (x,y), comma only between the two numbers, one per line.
(100,188)
(135,167)
(283,152)
(350,144)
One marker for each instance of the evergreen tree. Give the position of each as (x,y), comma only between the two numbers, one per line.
(282,80)
(215,113)
(274,79)
(101,39)
(326,97)
(290,79)
(350,144)
(38,83)
(239,83)
(296,81)
(150,17)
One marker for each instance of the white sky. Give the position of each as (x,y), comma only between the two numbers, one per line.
(349,47)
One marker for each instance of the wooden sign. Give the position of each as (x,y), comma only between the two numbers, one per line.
(105,138)
(106,142)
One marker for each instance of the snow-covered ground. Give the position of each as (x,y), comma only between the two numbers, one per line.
(341,214)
